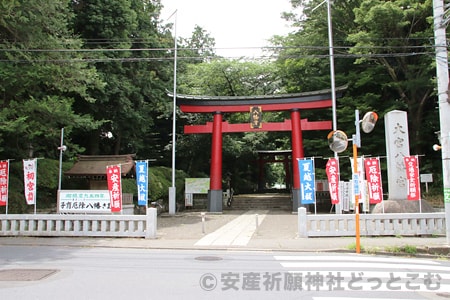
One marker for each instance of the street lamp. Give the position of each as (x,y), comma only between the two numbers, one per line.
(437,147)
(332,72)
(338,141)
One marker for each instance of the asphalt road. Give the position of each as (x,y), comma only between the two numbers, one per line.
(64,272)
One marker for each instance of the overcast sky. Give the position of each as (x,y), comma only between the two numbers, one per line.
(234,24)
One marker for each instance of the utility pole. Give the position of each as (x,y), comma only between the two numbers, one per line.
(444,104)
(172,189)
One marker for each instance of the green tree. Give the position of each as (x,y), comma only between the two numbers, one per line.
(400,48)
(40,74)
(198,47)
(127,44)
(382,52)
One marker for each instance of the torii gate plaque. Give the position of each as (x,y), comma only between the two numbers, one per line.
(217,105)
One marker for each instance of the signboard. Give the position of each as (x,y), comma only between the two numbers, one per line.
(446,195)
(84,201)
(255,117)
(355,184)
(426,177)
(344,189)
(196,185)
(307,186)
(358,186)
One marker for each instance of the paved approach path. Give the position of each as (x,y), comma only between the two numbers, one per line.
(238,232)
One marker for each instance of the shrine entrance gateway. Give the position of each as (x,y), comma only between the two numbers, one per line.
(254,105)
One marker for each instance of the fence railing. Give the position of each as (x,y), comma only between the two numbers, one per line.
(80,225)
(370,224)
(146,225)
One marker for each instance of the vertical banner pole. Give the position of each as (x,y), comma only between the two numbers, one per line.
(4,183)
(7,191)
(356,191)
(418,185)
(35,197)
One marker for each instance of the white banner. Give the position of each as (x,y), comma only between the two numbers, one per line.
(30,180)
(360,185)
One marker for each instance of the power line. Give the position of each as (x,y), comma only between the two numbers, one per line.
(267,48)
(170,58)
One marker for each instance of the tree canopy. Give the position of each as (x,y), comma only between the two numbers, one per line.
(99,66)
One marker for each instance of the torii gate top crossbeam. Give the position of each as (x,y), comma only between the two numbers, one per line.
(211,104)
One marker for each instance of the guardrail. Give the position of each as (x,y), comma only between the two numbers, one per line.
(80,225)
(370,224)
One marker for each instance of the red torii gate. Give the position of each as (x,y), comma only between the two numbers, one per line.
(217,105)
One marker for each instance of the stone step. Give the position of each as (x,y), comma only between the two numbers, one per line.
(262,201)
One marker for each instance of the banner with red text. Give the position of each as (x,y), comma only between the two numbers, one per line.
(332,169)
(374,183)
(4,180)
(114,179)
(412,177)
(30,180)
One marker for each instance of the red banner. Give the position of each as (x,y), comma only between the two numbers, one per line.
(373,176)
(412,177)
(30,180)
(4,173)
(332,170)
(114,187)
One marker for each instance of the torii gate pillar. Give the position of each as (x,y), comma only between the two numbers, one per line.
(215,192)
(297,153)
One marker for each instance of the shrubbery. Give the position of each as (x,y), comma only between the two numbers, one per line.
(47,180)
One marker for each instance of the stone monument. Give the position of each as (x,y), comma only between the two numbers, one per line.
(397,147)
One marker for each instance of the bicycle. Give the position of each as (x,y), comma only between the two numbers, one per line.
(230,193)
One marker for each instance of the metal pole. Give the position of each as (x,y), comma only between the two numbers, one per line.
(333,86)
(356,143)
(172,189)
(355,182)
(7,191)
(35,176)
(61,150)
(331,54)
(444,105)
(203,222)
